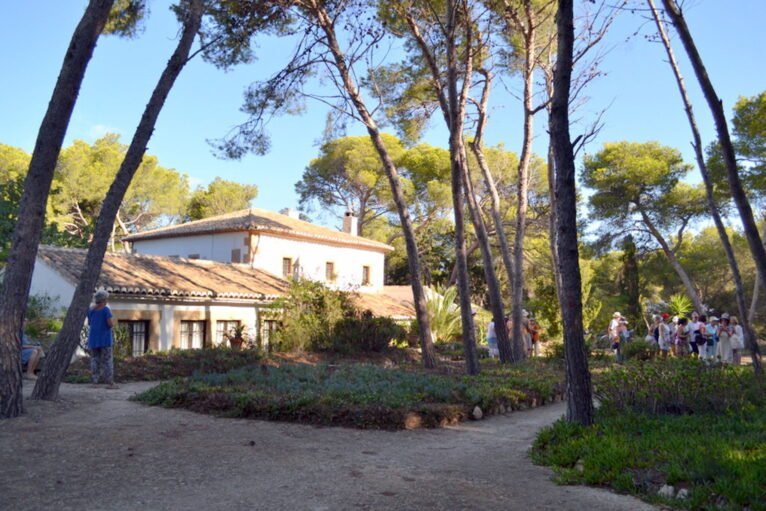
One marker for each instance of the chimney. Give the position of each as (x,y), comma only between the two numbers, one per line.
(292,213)
(350,224)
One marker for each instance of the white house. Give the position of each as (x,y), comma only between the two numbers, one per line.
(168,302)
(184,286)
(279,244)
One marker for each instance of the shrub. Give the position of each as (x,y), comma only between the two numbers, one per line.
(444,314)
(366,333)
(677,386)
(638,350)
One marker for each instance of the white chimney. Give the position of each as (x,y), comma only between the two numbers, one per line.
(291,212)
(350,223)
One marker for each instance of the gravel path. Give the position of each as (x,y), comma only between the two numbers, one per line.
(93,449)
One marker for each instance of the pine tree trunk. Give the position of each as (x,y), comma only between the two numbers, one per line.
(507,352)
(724,139)
(522,195)
(476,147)
(31,215)
(61,352)
(750,339)
(413,259)
(579,392)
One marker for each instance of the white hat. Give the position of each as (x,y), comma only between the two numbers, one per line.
(616,315)
(713,318)
(675,319)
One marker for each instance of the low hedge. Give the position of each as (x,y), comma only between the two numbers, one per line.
(358,395)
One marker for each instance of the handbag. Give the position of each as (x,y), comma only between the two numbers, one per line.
(737,343)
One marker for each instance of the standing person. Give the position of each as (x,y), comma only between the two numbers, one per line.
(682,338)
(494,352)
(737,341)
(723,348)
(526,333)
(663,337)
(711,338)
(700,337)
(693,328)
(100,339)
(614,325)
(534,332)
(31,354)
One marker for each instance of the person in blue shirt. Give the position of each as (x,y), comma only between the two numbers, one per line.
(100,339)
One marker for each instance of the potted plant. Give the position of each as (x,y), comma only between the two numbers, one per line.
(236,336)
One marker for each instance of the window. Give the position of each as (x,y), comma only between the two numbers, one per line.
(329,272)
(138,333)
(223,327)
(365,275)
(193,256)
(236,255)
(268,328)
(192,334)
(287,267)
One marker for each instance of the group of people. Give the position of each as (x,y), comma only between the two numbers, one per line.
(530,331)
(708,338)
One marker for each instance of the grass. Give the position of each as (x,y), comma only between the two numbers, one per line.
(669,422)
(359,395)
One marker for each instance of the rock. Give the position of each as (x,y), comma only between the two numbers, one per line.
(477,414)
(682,494)
(667,491)
(580,466)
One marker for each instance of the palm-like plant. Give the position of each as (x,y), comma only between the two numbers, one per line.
(443,313)
(680,305)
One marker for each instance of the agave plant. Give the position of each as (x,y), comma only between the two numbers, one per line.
(443,313)
(680,305)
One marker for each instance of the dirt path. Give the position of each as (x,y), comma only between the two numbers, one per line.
(96,450)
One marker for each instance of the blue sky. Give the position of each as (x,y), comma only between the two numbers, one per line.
(638,88)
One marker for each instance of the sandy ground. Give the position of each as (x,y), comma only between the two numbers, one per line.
(95,450)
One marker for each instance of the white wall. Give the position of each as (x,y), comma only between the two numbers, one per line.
(45,280)
(310,256)
(215,247)
(245,313)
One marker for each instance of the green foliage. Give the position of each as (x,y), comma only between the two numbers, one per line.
(42,316)
(680,305)
(316,318)
(674,422)
(444,314)
(165,366)
(677,386)
(638,350)
(750,139)
(358,395)
(126,17)
(220,197)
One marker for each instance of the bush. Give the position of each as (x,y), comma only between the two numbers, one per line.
(315,318)
(359,395)
(366,333)
(676,422)
(677,386)
(638,350)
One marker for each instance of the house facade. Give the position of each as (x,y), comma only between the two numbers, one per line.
(185,286)
(167,302)
(280,244)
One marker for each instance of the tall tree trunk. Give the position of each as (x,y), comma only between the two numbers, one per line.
(413,259)
(754,300)
(552,191)
(724,139)
(31,215)
(477,148)
(691,289)
(508,352)
(513,351)
(579,392)
(522,196)
(61,352)
(457,150)
(750,340)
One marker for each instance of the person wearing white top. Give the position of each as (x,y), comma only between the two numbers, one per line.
(737,341)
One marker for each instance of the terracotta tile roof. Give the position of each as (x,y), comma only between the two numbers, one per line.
(260,221)
(134,274)
(392,301)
